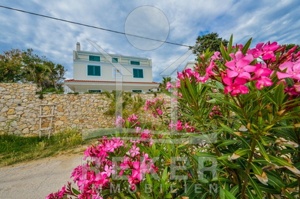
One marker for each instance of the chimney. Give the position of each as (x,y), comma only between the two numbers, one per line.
(77,46)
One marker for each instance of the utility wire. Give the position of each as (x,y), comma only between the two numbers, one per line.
(91,26)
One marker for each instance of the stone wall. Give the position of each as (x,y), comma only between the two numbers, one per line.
(23,112)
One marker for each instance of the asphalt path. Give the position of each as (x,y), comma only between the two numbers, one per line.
(36,179)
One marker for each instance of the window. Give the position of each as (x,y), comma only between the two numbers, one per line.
(135,63)
(137,91)
(94,70)
(138,73)
(94,58)
(114,60)
(95,91)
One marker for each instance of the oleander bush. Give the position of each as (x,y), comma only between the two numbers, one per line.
(236,134)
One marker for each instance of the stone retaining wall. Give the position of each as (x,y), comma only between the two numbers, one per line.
(23,113)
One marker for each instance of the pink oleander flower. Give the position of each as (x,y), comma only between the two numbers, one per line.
(119,121)
(189,128)
(267,50)
(134,151)
(133,118)
(293,90)
(292,70)
(180,75)
(169,86)
(145,134)
(177,85)
(263,82)
(216,55)
(58,195)
(262,76)
(240,65)
(159,111)
(234,86)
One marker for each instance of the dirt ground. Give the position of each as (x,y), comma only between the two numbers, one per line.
(36,179)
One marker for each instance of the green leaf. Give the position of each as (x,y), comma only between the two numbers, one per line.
(239,153)
(224,193)
(250,194)
(229,46)
(224,53)
(280,161)
(227,142)
(191,89)
(205,154)
(235,190)
(255,187)
(246,46)
(263,151)
(256,169)
(275,181)
(75,191)
(165,174)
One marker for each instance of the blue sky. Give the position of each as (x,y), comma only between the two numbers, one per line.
(171,20)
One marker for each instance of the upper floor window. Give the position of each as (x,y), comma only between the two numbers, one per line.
(138,73)
(114,60)
(135,63)
(94,58)
(94,70)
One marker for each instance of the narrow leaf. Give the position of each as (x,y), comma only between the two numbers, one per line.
(246,46)
(263,151)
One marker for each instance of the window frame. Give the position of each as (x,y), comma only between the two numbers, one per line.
(115,60)
(94,91)
(94,75)
(135,63)
(92,58)
(137,91)
(139,70)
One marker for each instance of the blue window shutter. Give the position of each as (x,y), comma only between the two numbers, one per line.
(134,62)
(94,58)
(97,70)
(90,70)
(138,73)
(94,70)
(141,75)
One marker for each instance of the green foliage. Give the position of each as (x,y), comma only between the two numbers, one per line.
(290,46)
(25,66)
(123,102)
(14,148)
(210,41)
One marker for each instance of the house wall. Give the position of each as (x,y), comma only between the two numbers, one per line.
(81,60)
(20,108)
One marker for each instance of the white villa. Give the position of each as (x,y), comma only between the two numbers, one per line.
(98,72)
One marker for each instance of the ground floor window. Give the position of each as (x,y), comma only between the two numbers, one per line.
(94,91)
(137,91)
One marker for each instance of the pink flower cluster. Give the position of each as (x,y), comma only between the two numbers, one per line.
(133,120)
(215,111)
(179,126)
(156,106)
(256,65)
(241,70)
(120,122)
(58,195)
(145,136)
(101,168)
(135,165)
